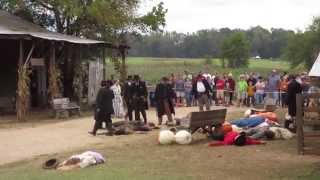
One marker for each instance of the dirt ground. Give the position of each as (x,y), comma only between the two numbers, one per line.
(21,142)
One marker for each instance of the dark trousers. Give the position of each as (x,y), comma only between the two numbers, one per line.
(130,111)
(140,107)
(231,97)
(102,117)
(283,99)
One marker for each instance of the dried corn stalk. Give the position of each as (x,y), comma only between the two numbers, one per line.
(53,89)
(23,93)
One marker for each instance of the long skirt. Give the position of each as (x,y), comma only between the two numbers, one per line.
(118,106)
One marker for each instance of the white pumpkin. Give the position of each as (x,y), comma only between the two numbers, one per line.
(183,137)
(166,137)
(247,113)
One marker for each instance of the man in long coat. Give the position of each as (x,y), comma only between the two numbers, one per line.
(294,88)
(140,95)
(164,95)
(104,108)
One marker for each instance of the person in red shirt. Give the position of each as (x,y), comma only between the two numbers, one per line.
(220,90)
(238,139)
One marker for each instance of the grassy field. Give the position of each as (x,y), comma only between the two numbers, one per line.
(145,159)
(152,69)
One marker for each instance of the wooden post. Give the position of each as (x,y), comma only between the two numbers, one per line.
(104,63)
(23,91)
(123,64)
(53,88)
(21,52)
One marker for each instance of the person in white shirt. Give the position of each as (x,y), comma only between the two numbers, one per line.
(201,90)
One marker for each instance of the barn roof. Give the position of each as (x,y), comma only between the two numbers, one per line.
(315,70)
(11,25)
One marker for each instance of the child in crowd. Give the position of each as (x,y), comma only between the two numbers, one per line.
(220,90)
(260,87)
(242,90)
(180,89)
(250,92)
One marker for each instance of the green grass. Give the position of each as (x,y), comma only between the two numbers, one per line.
(152,69)
(144,159)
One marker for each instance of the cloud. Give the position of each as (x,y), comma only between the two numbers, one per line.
(193,15)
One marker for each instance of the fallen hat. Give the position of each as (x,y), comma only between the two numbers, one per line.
(50,164)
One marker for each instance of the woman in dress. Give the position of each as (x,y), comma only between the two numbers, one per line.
(117,100)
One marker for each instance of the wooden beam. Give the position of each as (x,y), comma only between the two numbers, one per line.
(30,54)
(123,64)
(21,52)
(104,63)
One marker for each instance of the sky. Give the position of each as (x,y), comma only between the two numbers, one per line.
(192,15)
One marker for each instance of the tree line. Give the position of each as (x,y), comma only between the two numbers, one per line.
(209,43)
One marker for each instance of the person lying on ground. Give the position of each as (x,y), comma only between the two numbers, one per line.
(238,139)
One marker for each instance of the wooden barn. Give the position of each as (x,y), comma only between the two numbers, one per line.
(24,44)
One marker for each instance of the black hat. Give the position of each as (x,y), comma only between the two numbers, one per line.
(165,79)
(240,140)
(50,164)
(136,77)
(103,83)
(129,77)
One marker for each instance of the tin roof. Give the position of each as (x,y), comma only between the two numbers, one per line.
(11,25)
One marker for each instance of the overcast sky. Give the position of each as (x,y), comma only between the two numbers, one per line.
(192,15)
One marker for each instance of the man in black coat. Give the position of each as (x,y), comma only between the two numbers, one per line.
(201,90)
(127,94)
(104,108)
(164,95)
(294,88)
(140,95)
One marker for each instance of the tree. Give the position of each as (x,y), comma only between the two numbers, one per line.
(236,49)
(100,19)
(304,47)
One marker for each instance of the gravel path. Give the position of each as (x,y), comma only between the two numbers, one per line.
(25,143)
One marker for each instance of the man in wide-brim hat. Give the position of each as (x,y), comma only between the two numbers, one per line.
(140,94)
(164,95)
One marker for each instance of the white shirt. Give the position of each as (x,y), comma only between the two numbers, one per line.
(200,87)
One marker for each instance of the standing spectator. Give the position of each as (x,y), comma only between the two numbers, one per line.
(252,79)
(172,80)
(250,93)
(242,89)
(140,94)
(213,87)
(104,108)
(230,87)
(117,100)
(179,87)
(220,90)
(127,95)
(283,90)
(188,92)
(273,85)
(201,90)
(260,87)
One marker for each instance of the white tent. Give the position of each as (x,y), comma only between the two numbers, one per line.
(315,70)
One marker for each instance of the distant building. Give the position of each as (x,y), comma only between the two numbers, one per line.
(257,57)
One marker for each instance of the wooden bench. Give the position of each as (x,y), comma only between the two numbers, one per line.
(205,120)
(63,107)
